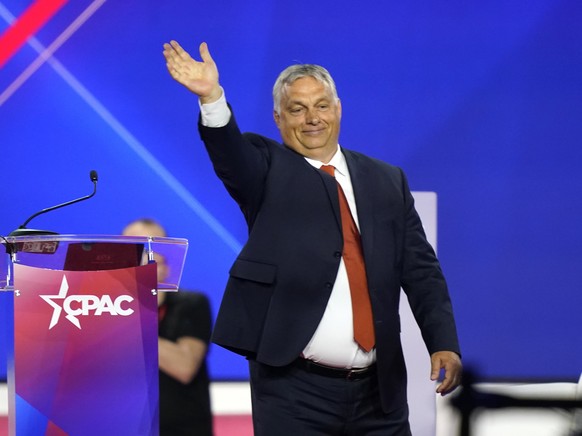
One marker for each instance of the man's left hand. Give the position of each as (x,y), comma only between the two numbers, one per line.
(450,362)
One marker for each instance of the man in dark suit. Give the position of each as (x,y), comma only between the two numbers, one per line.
(292,305)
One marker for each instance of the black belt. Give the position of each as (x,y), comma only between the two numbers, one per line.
(328,371)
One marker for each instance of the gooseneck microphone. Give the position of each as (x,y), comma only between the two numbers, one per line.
(23,231)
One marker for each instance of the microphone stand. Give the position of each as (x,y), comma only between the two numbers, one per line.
(23,231)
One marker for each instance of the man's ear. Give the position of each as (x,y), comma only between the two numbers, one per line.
(277,118)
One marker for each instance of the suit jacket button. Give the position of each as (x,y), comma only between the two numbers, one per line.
(337,254)
(328,285)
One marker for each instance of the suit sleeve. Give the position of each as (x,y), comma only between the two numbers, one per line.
(241,161)
(424,283)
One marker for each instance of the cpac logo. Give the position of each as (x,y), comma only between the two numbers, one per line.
(83,305)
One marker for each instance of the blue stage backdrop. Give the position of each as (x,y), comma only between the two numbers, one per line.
(478,101)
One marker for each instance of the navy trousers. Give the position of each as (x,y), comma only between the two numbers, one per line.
(290,401)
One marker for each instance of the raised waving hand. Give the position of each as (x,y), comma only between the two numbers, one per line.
(200,77)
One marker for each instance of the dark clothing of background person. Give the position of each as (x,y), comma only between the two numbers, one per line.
(185,408)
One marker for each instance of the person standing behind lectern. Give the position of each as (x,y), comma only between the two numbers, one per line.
(184,326)
(312,299)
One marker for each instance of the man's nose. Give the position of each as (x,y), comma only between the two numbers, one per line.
(312,117)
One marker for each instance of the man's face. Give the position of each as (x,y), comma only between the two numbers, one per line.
(309,119)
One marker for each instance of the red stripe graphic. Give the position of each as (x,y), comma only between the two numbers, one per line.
(36,16)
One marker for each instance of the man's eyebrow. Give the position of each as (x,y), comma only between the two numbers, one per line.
(292,102)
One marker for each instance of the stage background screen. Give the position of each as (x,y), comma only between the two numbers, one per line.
(479,102)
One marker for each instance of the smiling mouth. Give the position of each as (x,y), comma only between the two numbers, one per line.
(313,132)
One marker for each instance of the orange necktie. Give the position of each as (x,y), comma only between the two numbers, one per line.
(355,267)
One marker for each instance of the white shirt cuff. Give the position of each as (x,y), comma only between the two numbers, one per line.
(215,114)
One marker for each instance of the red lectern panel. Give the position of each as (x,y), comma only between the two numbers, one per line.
(85,352)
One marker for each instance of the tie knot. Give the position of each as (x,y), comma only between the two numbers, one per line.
(329,169)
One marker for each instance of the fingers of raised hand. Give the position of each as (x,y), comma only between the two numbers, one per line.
(205,53)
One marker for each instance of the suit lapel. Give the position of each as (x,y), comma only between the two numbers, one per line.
(363,189)
(331,189)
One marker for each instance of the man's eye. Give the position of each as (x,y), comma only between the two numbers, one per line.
(296,110)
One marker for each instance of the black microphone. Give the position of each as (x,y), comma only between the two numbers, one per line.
(23,231)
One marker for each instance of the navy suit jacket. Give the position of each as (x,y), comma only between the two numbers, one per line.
(281,281)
